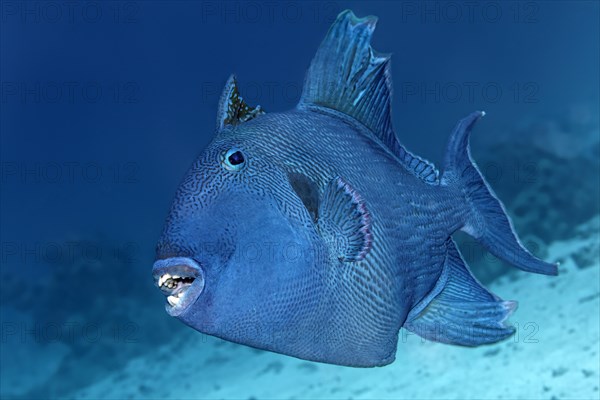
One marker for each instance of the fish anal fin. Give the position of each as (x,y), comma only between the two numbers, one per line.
(344,221)
(459,310)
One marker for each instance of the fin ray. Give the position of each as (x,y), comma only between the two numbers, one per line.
(348,76)
(233,110)
(459,310)
(344,221)
(486,219)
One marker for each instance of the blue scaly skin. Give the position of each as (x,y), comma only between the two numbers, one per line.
(314,233)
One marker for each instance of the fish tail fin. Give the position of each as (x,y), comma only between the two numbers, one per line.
(485,219)
(459,310)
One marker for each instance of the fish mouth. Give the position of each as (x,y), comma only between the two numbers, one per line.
(181,280)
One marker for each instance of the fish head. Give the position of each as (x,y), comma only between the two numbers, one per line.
(239,257)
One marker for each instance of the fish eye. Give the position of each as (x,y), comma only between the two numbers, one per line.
(233,160)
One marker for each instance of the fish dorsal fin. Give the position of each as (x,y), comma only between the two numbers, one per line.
(344,221)
(233,110)
(348,76)
(417,165)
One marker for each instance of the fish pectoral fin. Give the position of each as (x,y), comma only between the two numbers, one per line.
(344,221)
(459,310)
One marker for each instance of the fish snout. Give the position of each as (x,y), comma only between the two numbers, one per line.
(181,280)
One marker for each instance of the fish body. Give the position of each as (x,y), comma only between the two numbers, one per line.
(314,233)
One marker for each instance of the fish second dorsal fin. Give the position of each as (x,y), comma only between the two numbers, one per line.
(348,76)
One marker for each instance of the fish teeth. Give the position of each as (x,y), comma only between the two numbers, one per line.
(163,279)
(173,300)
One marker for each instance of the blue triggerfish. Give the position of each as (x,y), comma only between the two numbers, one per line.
(316,234)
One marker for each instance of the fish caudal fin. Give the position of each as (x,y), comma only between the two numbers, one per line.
(485,219)
(459,310)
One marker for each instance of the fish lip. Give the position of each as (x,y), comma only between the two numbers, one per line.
(182,266)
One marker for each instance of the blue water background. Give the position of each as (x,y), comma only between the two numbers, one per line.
(94,168)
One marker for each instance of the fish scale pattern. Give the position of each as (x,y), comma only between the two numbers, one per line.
(369,221)
(366,301)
